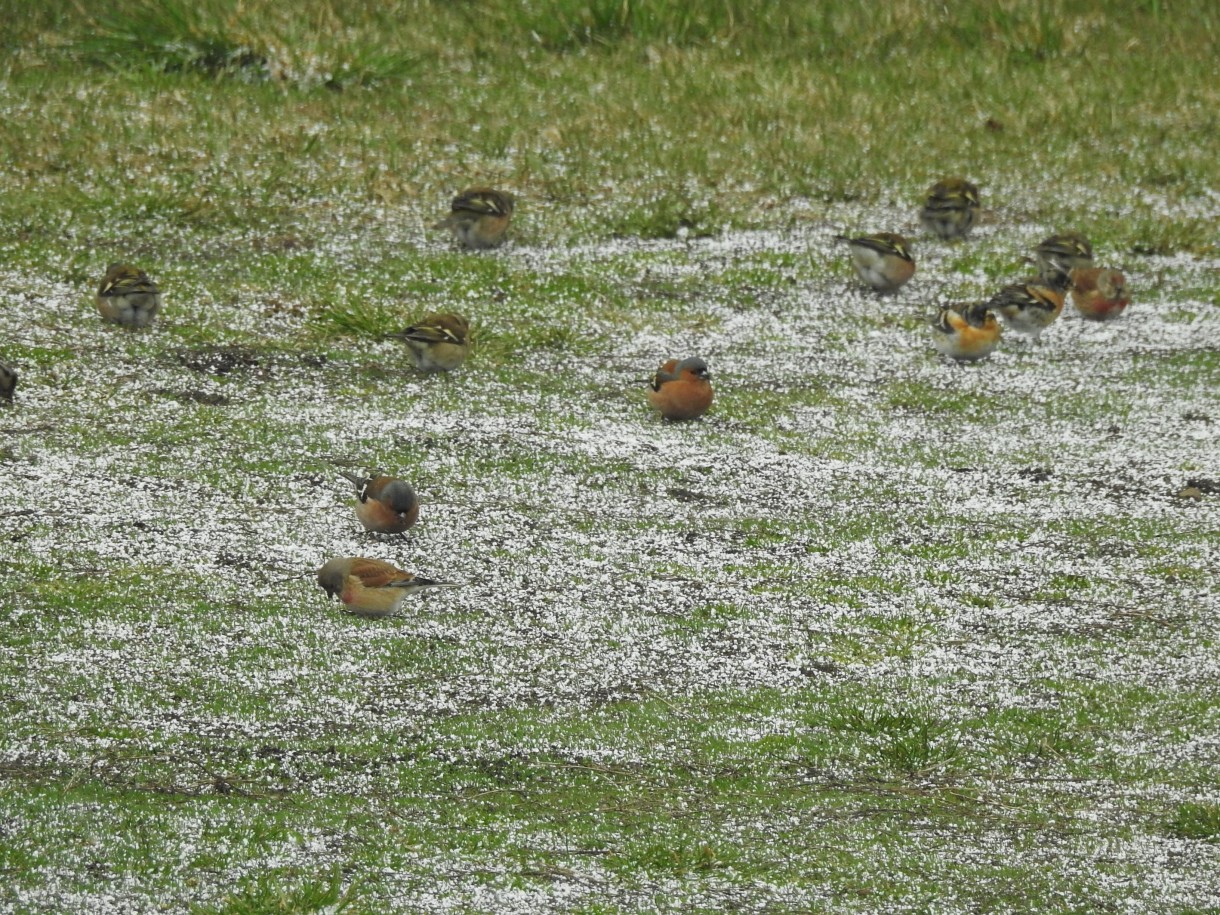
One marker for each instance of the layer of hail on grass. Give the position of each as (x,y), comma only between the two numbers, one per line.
(953,538)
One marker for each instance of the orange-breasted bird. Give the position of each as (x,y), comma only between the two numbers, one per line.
(479,217)
(438,342)
(949,208)
(371,587)
(127,296)
(681,390)
(385,505)
(883,260)
(965,332)
(1099,293)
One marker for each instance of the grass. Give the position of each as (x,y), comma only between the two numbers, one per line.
(736,139)
(877,634)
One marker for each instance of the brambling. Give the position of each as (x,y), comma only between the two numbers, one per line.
(681,390)
(370,587)
(883,261)
(1031,307)
(949,209)
(438,342)
(1099,293)
(385,505)
(1062,254)
(479,217)
(127,296)
(965,332)
(8,381)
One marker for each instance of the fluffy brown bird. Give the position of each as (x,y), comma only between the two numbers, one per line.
(1063,253)
(1032,306)
(1099,293)
(438,342)
(479,217)
(8,381)
(949,208)
(883,260)
(127,296)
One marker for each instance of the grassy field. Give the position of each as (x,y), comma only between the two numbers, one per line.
(878,634)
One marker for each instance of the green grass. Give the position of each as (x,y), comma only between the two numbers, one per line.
(698,141)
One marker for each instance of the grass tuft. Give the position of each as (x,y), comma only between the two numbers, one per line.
(175,37)
(568,25)
(258,42)
(1196,821)
(904,741)
(286,891)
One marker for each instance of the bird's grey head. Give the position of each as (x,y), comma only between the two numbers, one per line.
(695,365)
(399,496)
(331,577)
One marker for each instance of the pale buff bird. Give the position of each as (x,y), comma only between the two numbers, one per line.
(371,587)
(127,296)
(438,342)
(883,260)
(479,217)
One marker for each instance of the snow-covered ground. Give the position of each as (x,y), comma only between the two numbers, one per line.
(853,513)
